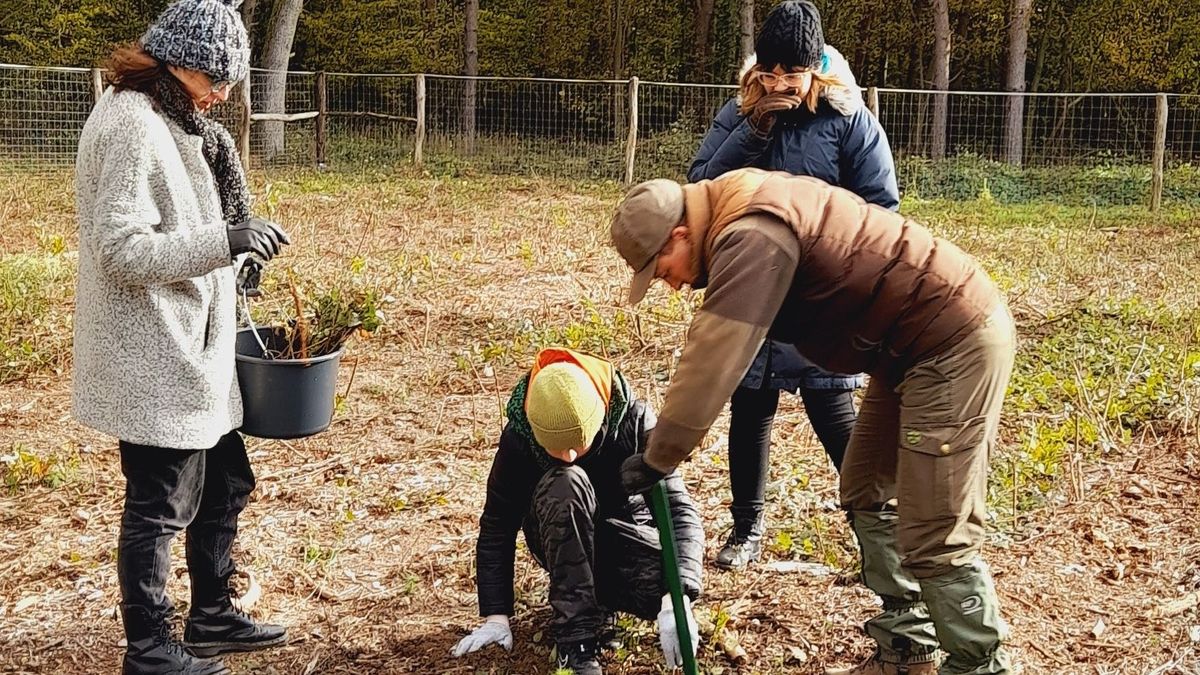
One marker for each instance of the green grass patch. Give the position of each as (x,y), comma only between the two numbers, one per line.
(1091,381)
(35,326)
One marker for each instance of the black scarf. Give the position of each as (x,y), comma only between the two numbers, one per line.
(218,147)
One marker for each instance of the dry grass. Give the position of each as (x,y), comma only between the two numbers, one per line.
(363,537)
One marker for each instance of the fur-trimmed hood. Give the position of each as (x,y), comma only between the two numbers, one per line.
(846,100)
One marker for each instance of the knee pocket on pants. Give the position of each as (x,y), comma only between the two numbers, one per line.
(942,469)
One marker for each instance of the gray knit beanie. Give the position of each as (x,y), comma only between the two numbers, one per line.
(203,35)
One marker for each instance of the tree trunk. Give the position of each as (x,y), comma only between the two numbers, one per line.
(1018,43)
(941,78)
(1035,83)
(243,94)
(918,76)
(746,29)
(471,70)
(275,60)
(248,8)
(619,16)
(702,30)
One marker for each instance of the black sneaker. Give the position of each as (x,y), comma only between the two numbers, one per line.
(743,546)
(579,658)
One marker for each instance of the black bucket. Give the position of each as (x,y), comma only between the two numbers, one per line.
(284,398)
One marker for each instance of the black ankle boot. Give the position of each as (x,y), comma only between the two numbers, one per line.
(215,626)
(152,650)
(579,657)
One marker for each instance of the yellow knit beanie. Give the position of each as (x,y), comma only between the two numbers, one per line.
(564,407)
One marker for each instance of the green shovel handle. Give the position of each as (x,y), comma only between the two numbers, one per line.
(666,537)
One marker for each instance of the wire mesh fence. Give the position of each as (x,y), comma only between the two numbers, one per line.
(275,143)
(1072,148)
(1054,129)
(372,120)
(42,112)
(1066,148)
(557,128)
(672,121)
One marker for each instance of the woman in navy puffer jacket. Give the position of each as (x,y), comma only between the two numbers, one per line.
(798,110)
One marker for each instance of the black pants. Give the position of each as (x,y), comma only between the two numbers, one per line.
(595,565)
(167,491)
(752,413)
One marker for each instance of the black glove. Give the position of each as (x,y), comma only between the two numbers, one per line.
(637,476)
(258,237)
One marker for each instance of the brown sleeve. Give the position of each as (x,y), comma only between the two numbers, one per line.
(750,273)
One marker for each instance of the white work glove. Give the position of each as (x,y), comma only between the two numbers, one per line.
(493,631)
(668,635)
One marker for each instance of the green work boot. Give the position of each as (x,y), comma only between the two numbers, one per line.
(903,630)
(966,615)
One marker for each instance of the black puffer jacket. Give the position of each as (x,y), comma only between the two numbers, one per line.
(520,463)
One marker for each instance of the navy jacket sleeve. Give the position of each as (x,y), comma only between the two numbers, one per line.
(510,487)
(729,144)
(867,166)
(689,528)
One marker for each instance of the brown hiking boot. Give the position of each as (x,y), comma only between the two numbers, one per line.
(877,666)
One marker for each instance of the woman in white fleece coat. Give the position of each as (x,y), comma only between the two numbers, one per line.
(163,213)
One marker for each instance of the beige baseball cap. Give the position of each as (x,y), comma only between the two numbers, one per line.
(642,226)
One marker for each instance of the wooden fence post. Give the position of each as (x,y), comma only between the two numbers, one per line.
(322,120)
(873,101)
(419,138)
(97,84)
(1160,153)
(244,125)
(631,142)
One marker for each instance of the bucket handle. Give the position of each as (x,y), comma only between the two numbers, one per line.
(253,328)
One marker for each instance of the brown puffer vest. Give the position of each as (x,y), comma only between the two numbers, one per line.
(873,290)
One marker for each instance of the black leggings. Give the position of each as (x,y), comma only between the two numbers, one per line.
(752,413)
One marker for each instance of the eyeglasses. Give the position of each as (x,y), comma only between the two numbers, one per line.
(769,79)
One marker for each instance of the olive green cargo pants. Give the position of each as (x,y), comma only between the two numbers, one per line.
(914,484)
